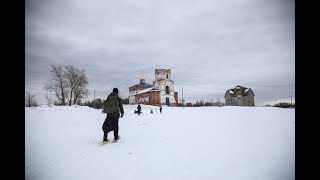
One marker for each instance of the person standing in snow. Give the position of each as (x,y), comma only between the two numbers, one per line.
(111,122)
(139,109)
(160,109)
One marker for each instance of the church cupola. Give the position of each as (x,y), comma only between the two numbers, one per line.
(142,80)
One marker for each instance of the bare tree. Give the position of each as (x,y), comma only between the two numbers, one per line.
(58,84)
(49,98)
(68,84)
(80,90)
(72,76)
(30,100)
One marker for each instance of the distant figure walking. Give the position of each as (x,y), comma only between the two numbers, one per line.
(160,109)
(139,109)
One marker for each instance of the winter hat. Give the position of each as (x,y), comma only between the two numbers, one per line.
(115,90)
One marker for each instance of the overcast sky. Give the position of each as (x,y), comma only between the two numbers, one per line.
(209,45)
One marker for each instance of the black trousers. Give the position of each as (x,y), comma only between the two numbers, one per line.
(111,124)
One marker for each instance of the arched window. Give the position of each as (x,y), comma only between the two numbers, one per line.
(167,90)
(167,76)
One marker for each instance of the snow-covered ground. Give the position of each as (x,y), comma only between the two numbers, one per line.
(204,143)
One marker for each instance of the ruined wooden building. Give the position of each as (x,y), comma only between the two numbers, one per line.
(239,96)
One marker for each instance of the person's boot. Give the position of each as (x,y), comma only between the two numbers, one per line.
(116,139)
(105,139)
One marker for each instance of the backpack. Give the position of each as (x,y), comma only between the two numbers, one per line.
(111,105)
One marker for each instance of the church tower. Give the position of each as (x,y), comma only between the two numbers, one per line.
(165,84)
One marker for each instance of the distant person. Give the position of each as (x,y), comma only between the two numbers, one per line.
(114,109)
(160,108)
(139,109)
(151,111)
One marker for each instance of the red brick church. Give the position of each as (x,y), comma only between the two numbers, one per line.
(161,92)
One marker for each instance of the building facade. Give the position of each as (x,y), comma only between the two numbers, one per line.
(160,93)
(239,96)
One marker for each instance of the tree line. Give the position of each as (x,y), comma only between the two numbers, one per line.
(283,105)
(200,103)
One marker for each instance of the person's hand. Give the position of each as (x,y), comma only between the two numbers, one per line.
(121,115)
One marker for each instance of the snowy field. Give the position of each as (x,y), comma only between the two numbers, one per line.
(205,143)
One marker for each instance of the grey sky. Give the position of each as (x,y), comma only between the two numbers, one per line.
(209,45)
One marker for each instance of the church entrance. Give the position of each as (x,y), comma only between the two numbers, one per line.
(167,101)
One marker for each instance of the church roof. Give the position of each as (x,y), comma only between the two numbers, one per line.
(143,84)
(242,92)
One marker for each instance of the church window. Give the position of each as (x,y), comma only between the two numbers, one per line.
(167,90)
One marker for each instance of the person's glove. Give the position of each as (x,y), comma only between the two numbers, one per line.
(121,115)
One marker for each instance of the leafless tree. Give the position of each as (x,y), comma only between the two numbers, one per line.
(49,98)
(30,100)
(78,81)
(72,75)
(58,84)
(68,84)
(80,90)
